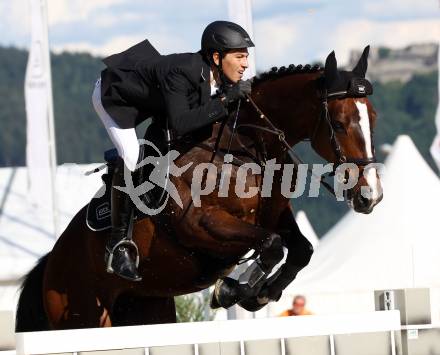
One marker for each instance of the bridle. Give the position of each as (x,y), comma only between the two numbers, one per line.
(324,116)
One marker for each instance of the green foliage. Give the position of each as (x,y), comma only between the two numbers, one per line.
(407,109)
(384,52)
(192,308)
(81,138)
(12,107)
(80,135)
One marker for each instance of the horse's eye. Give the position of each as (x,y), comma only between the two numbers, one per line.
(338,127)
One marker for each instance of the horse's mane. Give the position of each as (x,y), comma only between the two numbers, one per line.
(276,73)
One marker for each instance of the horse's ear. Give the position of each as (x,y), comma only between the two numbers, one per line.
(361,67)
(331,69)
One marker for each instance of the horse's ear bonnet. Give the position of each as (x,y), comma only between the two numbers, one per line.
(331,73)
(347,83)
(361,67)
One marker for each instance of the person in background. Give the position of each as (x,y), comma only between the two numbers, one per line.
(298,308)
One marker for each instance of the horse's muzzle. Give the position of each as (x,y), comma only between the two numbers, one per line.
(363,204)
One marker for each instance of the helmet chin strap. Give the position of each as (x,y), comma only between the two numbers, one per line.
(223,78)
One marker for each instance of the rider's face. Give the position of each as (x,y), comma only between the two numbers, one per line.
(234,63)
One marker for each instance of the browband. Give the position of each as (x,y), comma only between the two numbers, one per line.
(357,87)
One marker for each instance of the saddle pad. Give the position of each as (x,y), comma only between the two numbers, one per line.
(98,217)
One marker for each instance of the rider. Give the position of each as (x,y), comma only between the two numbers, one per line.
(192,90)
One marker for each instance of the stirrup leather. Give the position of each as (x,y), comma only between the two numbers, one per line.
(111,252)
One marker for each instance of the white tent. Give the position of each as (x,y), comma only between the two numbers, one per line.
(306,228)
(396,246)
(26,233)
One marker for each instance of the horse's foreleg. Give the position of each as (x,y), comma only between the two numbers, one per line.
(224,227)
(249,284)
(269,244)
(299,254)
(220,234)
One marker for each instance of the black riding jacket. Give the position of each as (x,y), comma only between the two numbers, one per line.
(140,83)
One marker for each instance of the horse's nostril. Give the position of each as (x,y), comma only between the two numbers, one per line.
(363,202)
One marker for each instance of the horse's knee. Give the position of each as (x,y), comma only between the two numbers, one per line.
(300,252)
(307,251)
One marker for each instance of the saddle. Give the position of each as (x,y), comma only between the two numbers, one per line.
(98,216)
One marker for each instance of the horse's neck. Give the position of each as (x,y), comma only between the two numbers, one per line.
(292,105)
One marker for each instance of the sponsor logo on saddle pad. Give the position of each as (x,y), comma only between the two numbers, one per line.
(207,178)
(103,211)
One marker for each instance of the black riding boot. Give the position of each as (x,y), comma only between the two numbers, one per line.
(121,254)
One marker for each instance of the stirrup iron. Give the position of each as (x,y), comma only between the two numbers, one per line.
(128,242)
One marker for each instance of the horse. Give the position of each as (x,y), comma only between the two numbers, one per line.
(200,245)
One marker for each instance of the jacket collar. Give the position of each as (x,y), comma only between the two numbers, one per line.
(205,87)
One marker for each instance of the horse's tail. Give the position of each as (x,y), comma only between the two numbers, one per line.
(31,315)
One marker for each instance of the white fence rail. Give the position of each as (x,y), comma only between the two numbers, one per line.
(366,333)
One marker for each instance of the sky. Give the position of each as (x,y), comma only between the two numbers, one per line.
(285,31)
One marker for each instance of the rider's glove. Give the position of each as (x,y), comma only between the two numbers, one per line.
(237,91)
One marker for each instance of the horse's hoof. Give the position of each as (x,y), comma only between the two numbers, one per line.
(225,293)
(253,304)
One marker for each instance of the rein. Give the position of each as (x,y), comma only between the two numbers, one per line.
(324,116)
(282,138)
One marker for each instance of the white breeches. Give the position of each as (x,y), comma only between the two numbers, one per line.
(125,140)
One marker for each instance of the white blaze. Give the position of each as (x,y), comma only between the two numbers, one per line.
(364,122)
(369,174)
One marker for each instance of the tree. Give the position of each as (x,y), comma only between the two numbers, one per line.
(192,308)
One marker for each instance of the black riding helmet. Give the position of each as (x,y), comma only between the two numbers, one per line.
(221,36)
